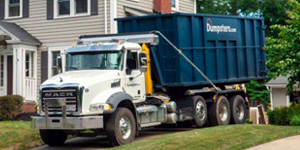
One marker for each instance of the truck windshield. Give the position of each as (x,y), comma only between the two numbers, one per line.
(95,60)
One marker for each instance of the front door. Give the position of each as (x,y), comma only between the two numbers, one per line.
(135,80)
(9,75)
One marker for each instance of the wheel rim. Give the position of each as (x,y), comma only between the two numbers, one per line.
(125,127)
(223,113)
(200,110)
(240,111)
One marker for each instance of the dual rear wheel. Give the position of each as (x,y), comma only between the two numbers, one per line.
(221,112)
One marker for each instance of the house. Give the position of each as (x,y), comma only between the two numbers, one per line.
(34,32)
(278,92)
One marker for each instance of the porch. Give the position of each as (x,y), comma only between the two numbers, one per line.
(18,62)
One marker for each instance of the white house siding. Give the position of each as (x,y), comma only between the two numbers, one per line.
(145,5)
(187,6)
(279,97)
(61,31)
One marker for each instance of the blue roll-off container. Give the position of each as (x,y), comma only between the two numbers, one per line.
(227,49)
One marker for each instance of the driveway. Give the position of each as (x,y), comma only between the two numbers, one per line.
(101,142)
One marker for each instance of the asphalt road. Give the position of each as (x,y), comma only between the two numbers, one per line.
(101,142)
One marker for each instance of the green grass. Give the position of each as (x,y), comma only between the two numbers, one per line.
(230,137)
(18,135)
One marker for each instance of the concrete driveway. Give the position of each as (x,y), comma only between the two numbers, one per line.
(101,142)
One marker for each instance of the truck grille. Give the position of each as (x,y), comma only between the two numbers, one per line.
(69,94)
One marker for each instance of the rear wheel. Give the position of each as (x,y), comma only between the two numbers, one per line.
(120,127)
(53,137)
(199,110)
(238,106)
(219,112)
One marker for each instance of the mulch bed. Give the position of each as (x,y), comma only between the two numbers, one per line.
(25,116)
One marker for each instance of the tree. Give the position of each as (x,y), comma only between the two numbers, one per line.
(258,91)
(283,51)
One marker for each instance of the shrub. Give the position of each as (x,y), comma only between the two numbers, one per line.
(295,121)
(248,121)
(283,115)
(10,106)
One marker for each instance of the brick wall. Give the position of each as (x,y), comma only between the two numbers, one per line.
(28,107)
(162,6)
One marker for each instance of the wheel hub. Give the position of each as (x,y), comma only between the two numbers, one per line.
(125,127)
(240,111)
(223,113)
(200,110)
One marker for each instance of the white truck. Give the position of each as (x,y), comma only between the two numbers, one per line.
(107,88)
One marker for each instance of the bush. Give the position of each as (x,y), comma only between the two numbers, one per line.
(283,115)
(295,121)
(10,106)
(248,121)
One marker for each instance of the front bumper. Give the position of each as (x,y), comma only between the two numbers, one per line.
(68,123)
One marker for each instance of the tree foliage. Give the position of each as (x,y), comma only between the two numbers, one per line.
(283,51)
(258,91)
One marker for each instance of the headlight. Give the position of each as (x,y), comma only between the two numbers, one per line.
(97,107)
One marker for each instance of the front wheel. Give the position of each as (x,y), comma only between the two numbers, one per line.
(53,137)
(120,127)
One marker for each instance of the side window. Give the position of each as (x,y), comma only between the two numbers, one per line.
(131,61)
(53,60)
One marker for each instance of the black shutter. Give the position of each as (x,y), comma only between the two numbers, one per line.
(44,66)
(25,8)
(94,7)
(50,9)
(2,4)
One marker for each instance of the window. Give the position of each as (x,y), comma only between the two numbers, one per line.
(1,71)
(131,62)
(53,60)
(13,8)
(175,5)
(63,8)
(29,64)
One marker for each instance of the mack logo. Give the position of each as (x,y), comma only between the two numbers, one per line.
(60,94)
(222,28)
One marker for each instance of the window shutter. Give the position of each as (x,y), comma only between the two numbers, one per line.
(94,7)
(44,66)
(25,8)
(50,10)
(2,4)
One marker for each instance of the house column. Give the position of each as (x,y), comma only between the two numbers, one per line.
(19,54)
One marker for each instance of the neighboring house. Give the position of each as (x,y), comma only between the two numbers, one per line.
(34,32)
(278,96)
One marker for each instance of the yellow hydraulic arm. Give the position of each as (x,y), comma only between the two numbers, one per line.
(148,79)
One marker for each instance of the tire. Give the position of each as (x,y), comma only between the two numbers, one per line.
(53,137)
(219,112)
(199,111)
(122,116)
(238,110)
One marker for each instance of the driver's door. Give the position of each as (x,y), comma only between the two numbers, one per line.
(135,80)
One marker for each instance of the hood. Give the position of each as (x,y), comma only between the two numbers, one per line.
(83,77)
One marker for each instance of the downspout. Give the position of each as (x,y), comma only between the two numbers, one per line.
(105,15)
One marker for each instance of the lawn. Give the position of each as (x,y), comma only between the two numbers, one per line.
(230,137)
(18,135)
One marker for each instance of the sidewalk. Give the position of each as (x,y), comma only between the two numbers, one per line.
(289,143)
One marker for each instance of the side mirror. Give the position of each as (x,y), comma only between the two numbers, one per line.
(59,64)
(143,61)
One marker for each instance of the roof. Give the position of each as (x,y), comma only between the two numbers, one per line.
(281,80)
(19,33)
